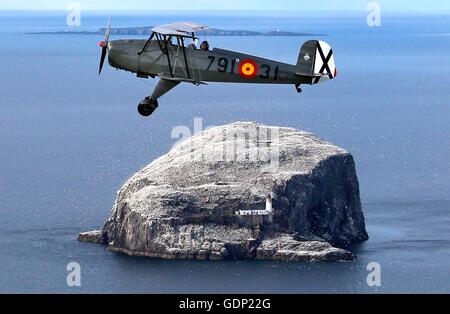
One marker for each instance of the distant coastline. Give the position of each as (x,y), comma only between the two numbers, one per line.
(146,30)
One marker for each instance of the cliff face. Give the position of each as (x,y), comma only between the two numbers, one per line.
(183,204)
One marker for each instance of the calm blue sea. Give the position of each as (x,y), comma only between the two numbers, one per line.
(69,139)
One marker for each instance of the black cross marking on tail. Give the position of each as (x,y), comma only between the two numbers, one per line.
(325,64)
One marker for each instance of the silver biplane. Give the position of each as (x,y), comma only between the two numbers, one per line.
(171,54)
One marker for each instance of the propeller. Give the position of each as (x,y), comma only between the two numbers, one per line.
(104,45)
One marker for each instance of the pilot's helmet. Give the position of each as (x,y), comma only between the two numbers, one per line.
(204,45)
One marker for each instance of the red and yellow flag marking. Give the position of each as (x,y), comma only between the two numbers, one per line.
(248,68)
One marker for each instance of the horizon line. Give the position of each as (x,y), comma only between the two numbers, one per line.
(229,10)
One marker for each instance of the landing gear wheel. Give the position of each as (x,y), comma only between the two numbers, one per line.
(147,106)
(145,110)
(298,88)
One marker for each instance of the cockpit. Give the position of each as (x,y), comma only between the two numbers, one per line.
(177,34)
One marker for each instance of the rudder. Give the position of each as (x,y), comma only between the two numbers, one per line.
(316,60)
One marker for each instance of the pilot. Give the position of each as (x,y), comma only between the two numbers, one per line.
(204,46)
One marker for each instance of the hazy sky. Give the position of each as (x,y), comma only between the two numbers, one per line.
(235,5)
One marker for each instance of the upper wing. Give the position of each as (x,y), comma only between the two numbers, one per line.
(183,29)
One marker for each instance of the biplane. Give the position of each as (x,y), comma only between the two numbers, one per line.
(171,54)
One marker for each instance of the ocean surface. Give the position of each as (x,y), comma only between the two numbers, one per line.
(70,138)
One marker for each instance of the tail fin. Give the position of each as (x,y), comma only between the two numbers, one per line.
(316,60)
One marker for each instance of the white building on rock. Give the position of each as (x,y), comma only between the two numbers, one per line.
(258,212)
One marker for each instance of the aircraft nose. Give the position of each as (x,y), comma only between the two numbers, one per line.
(112,52)
(122,56)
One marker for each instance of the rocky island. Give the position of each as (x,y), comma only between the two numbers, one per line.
(240,191)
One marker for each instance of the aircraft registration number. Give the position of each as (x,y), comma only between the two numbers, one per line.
(225,65)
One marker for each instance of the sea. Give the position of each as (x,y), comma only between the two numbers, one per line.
(70,138)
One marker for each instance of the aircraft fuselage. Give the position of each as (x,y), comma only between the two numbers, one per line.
(191,64)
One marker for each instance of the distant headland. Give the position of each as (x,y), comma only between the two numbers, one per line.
(147,30)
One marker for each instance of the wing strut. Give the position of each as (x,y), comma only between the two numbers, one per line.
(166,41)
(146,44)
(164,49)
(185,58)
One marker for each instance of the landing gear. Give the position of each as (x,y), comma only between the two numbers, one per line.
(297,87)
(147,106)
(150,103)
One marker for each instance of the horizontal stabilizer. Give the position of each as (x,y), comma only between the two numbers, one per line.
(312,75)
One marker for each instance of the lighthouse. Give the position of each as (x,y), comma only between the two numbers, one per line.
(268,211)
(269,204)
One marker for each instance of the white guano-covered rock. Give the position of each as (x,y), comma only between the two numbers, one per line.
(183,205)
